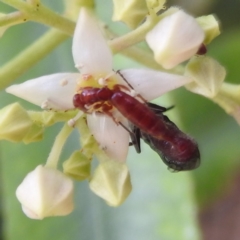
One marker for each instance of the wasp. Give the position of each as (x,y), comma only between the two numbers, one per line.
(139,114)
(178,150)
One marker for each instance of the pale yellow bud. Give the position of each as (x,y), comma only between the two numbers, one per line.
(111,181)
(131,12)
(175,39)
(14,122)
(78,166)
(35,134)
(45,192)
(208,76)
(210,26)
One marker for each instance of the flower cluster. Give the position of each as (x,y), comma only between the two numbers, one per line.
(175,38)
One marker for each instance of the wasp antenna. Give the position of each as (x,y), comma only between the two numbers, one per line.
(119,73)
(126,128)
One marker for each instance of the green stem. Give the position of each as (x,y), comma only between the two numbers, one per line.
(29,57)
(50,18)
(141,56)
(12,19)
(48,118)
(134,36)
(42,14)
(18,4)
(33,1)
(56,150)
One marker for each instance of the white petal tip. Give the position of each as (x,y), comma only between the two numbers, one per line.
(90,50)
(53,91)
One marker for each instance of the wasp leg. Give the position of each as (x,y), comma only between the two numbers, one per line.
(135,137)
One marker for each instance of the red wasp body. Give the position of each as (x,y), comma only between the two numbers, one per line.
(136,112)
(178,150)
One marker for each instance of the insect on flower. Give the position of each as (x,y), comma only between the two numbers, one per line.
(181,153)
(103,99)
(93,57)
(177,149)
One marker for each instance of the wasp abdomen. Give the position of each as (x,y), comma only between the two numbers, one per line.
(139,114)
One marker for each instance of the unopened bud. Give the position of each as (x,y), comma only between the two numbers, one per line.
(46,192)
(210,26)
(131,12)
(35,134)
(176,38)
(14,123)
(208,76)
(111,181)
(78,166)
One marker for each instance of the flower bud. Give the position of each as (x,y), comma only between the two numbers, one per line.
(131,12)
(78,166)
(35,134)
(210,26)
(175,38)
(208,76)
(48,118)
(45,192)
(14,123)
(229,99)
(111,181)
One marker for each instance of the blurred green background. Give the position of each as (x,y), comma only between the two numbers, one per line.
(162,205)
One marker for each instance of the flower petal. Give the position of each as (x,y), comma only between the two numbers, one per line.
(90,51)
(151,84)
(53,91)
(113,138)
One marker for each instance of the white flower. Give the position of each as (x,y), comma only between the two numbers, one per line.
(93,58)
(45,192)
(176,38)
